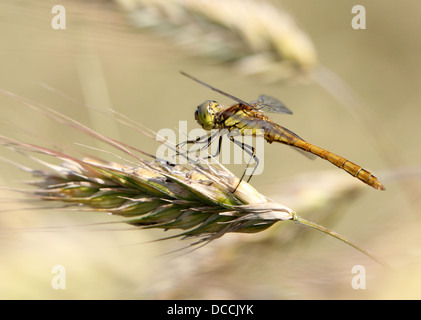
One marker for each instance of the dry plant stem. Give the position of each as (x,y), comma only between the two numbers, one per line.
(336,235)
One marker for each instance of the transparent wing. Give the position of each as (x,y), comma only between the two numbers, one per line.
(217,90)
(263,103)
(270,104)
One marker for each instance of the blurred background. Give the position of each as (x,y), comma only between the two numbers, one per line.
(353,92)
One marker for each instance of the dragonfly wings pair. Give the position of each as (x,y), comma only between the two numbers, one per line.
(250,115)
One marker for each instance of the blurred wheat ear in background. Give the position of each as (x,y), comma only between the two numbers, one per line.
(255,36)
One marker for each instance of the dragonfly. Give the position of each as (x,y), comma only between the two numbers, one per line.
(251,115)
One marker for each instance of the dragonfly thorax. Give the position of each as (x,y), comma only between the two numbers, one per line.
(206,114)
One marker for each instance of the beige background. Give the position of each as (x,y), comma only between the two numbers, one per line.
(101,61)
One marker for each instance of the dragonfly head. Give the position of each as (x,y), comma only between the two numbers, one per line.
(206,114)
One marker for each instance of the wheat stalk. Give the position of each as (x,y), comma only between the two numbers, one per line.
(156,194)
(203,200)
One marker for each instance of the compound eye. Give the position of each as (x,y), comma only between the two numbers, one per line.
(212,107)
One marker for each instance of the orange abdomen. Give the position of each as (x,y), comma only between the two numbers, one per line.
(283,135)
(350,167)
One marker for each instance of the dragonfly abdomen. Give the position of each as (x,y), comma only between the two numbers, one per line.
(240,117)
(342,163)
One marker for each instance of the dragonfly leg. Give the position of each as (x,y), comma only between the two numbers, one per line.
(182,144)
(206,140)
(251,151)
(218,151)
(256,160)
(209,140)
(197,140)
